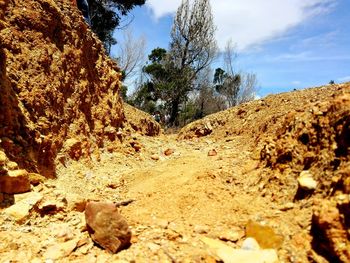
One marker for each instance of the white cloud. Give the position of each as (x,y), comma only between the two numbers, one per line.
(250,23)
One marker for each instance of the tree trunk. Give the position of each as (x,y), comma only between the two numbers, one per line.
(174,112)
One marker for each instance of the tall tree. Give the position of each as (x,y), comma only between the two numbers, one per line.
(130,54)
(235,87)
(192,48)
(106,16)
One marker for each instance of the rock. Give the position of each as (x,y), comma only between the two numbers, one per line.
(21,209)
(61,232)
(287,206)
(106,226)
(3,158)
(136,145)
(168,152)
(35,178)
(212,152)
(163,223)
(12,166)
(50,207)
(250,244)
(200,229)
(61,250)
(306,181)
(73,147)
(230,235)
(227,254)
(264,235)
(15,182)
(155,157)
(75,202)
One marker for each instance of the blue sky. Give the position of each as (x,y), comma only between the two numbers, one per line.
(288,44)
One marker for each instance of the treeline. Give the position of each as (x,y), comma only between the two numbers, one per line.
(177,83)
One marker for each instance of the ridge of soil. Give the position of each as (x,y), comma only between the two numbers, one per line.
(228,176)
(181,197)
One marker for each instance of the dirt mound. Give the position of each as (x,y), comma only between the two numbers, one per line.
(56,84)
(302,132)
(317,141)
(140,121)
(257,118)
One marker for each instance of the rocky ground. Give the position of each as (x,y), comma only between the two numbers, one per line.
(266,181)
(182,196)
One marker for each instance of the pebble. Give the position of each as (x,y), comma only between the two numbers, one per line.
(155,157)
(228,254)
(3,158)
(61,250)
(250,244)
(230,235)
(287,206)
(212,152)
(11,165)
(200,229)
(306,181)
(168,152)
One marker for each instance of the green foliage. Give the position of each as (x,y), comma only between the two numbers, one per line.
(123,92)
(227,85)
(106,16)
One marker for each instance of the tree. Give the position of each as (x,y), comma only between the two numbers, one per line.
(235,87)
(248,88)
(207,101)
(131,54)
(192,49)
(106,16)
(227,85)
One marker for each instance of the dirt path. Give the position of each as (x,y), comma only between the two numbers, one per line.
(178,199)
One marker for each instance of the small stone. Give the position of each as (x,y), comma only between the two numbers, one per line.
(12,166)
(112,185)
(162,223)
(212,152)
(200,229)
(168,152)
(250,244)
(75,202)
(21,209)
(61,250)
(36,179)
(306,181)
(3,158)
(15,182)
(264,235)
(155,157)
(73,147)
(287,206)
(106,226)
(230,235)
(227,254)
(50,207)
(153,247)
(136,145)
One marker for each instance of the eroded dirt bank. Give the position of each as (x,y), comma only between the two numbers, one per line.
(276,169)
(222,187)
(59,91)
